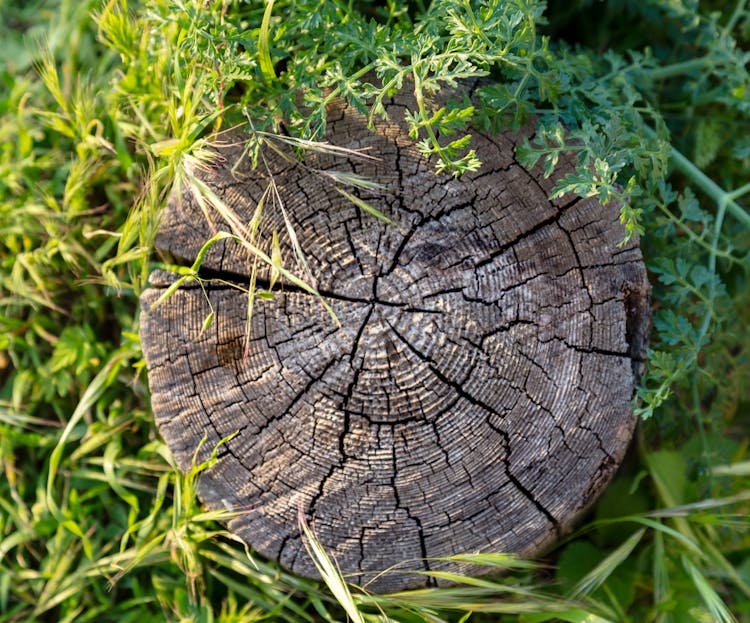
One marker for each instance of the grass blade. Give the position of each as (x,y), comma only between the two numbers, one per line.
(329,572)
(595,578)
(264,53)
(714,603)
(360,203)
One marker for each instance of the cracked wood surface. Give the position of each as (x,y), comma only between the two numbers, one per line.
(477,395)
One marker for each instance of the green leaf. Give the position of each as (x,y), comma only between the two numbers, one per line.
(669,473)
(264,54)
(597,576)
(576,560)
(618,500)
(708,140)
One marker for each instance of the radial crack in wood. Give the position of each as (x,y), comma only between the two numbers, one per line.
(476,396)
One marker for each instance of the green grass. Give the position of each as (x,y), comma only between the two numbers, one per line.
(103,106)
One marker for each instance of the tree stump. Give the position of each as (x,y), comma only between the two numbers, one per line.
(476,396)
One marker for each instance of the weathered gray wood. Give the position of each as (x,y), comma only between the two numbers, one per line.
(477,395)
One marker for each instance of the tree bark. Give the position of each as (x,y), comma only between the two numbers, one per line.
(476,396)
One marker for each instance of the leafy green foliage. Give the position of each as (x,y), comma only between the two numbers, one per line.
(104,106)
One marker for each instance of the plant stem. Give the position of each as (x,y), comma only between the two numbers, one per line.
(736,15)
(726,255)
(708,186)
(738,192)
(678,69)
(418,95)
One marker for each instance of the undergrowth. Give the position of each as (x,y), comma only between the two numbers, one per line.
(104,106)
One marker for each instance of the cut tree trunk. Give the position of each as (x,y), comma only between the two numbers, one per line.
(476,395)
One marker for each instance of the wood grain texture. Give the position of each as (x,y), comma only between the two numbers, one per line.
(477,395)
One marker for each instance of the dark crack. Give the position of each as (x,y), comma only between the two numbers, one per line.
(491,411)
